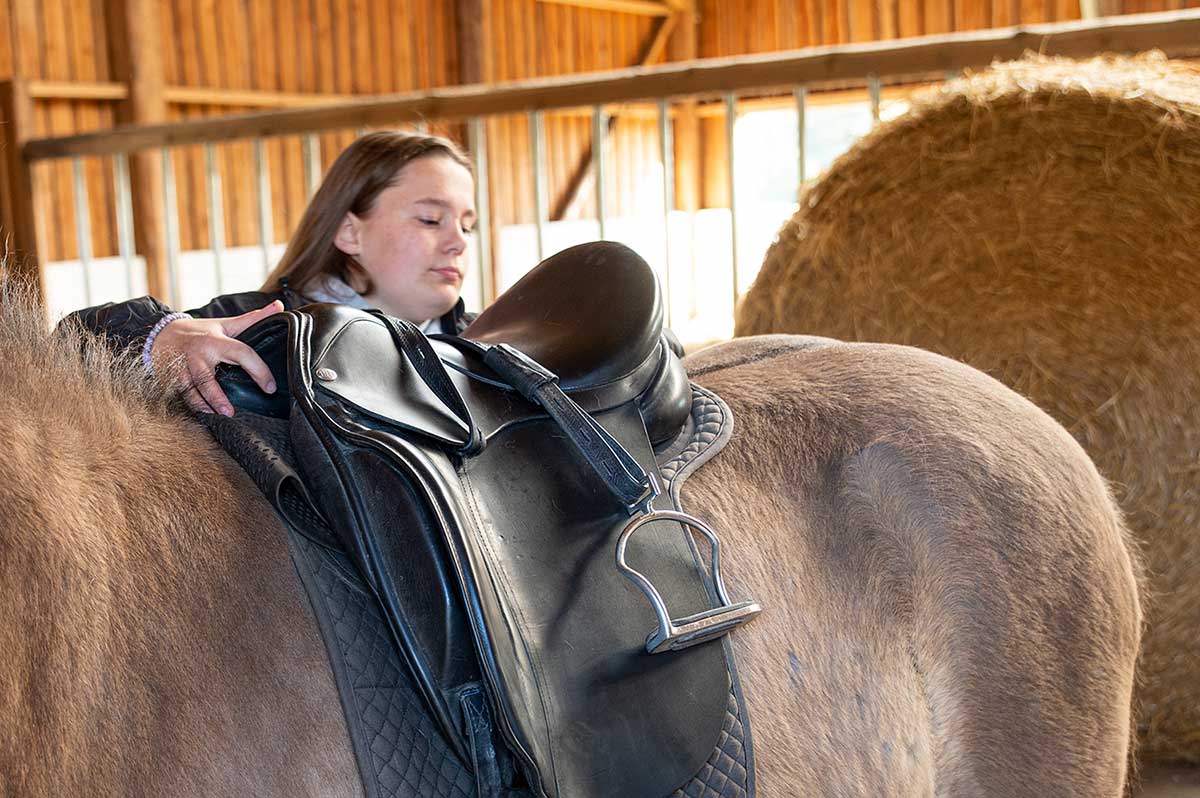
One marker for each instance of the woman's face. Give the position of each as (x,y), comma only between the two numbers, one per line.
(411,243)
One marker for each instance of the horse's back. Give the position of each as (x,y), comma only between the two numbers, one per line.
(951,601)
(155,640)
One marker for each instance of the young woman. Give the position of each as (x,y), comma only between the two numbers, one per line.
(387,229)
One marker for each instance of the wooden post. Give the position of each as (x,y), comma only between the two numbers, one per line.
(683,47)
(22,242)
(475,66)
(133,41)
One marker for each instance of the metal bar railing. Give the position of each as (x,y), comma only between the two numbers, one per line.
(666,149)
(730,129)
(83,225)
(599,142)
(801,96)
(266,233)
(124,198)
(537,155)
(216,213)
(171,226)
(477,143)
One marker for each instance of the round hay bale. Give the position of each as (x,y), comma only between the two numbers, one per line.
(1041,221)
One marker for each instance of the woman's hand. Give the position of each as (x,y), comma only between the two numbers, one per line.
(203,343)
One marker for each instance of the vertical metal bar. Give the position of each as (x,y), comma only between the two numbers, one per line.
(477,133)
(599,140)
(171,225)
(312,163)
(83,226)
(730,122)
(875,89)
(801,95)
(216,212)
(666,149)
(537,154)
(124,197)
(262,169)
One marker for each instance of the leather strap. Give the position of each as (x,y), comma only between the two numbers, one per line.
(621,474)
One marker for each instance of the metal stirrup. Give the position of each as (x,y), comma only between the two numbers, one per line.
(675,635)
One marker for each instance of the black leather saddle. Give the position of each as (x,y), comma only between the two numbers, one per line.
(489,488)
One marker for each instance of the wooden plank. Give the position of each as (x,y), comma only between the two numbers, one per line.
(972,14)
(643,7)
(343,46)
(937,16)
(323,46)
(77,90)
(889,22)
(6,36)
(862,20)
(1033,11)
(911,19)
(383,45)
(20,189)
(363,78)
(1176,33)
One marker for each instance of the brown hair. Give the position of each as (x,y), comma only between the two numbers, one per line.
(363,170)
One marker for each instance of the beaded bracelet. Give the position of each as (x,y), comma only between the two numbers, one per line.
(154,331)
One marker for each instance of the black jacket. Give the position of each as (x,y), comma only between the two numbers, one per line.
(126,324)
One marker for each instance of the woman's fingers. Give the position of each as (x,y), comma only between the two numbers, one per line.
(236,325)
(205,383)
(242,355)
(194,399)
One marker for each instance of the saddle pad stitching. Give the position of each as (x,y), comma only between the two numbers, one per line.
(502,578)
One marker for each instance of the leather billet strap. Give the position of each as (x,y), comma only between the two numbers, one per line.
(622,475)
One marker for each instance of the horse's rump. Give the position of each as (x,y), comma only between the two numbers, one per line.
(952,594)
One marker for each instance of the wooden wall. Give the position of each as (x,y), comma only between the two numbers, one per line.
(352,47)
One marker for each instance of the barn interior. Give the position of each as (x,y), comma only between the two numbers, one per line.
(772,160)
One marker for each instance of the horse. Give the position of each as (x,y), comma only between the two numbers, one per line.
(952,600)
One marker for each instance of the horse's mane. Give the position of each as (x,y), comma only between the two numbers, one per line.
(114,507)
(69,362)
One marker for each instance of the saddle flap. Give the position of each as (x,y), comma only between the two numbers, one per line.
(354,359)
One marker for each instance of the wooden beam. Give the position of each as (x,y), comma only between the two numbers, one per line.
(645,8)
(134,32)
(22,239)
(77,90)
(1176,33)
(651,49)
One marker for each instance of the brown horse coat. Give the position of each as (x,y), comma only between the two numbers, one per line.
(951,601)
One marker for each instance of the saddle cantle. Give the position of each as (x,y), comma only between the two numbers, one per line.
(471,511)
